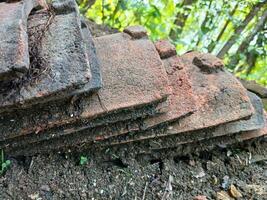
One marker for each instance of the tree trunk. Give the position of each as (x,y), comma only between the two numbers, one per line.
(244,45)
(239,29)
(203,25)
(213,44)
(251,60)
(181,19)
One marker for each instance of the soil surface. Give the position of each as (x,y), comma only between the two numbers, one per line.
(112,176)
(109,175)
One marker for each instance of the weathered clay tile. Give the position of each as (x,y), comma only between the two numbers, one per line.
(80,133)
(14,55)
(186,142)
(254,87)
(256,121)
(182,101)
(205,138)
(165,49)
(133,74)
(136,32)
(207,63)
(251,134)
(51,74)
(151,98)
(200,137)
(80,138)
(159,138)
(220,99)
(181,144)
(95,82)
(133,77)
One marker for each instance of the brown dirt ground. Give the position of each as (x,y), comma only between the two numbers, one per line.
(109,175)
(113,176)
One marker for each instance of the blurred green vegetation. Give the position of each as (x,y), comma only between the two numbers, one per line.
(235,31)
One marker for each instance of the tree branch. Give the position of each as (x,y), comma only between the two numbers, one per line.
(181,18)
(250,37)
(239,29)
(244,45)
(203,25)
(212,46)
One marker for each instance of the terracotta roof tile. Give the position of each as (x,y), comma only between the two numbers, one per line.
(61,88)
(56,45)
(133,77)
(14,52)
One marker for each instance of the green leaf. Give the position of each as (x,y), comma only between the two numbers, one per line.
(83,160)
(8,163)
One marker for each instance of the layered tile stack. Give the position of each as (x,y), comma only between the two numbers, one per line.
(63,90)
(59,92)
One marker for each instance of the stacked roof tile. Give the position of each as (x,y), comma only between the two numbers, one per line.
(62,89)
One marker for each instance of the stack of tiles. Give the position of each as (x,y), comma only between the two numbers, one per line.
(64,96)
(63,90)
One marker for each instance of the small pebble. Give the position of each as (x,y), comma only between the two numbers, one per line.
(200,197)
(222,195)
(225,183)
(45,188)
(234,192)
(192,163)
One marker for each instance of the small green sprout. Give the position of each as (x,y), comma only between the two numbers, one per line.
(4,164)
(83,160)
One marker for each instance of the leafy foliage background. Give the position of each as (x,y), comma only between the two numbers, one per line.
(235,31)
